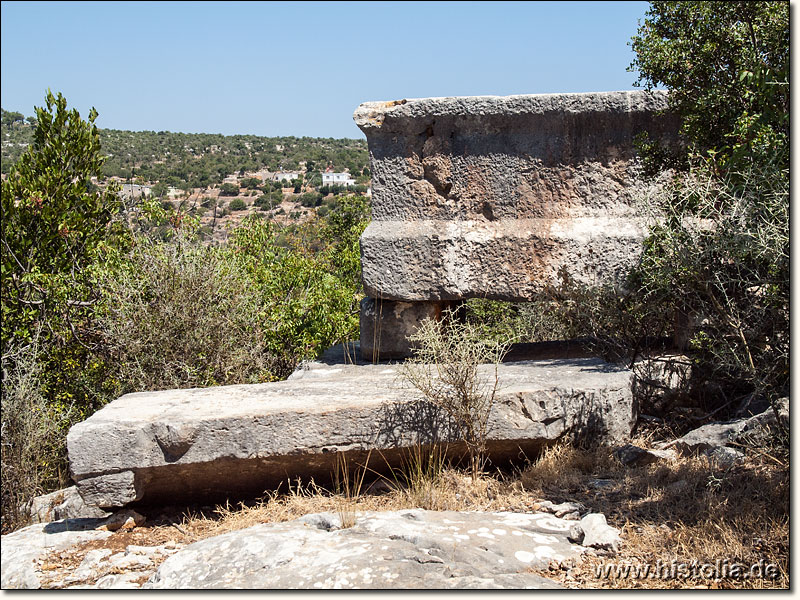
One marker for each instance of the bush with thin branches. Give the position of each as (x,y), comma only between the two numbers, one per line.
(446,370)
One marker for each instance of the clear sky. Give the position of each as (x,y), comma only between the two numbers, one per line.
(300,68)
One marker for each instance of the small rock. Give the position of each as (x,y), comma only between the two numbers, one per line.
(599,534)
(565,510)
(124,519)
(678,487)
(724,456)
(633,456)
(88,569)
(600,483)
(576,534)
(95,556)
(121,581)
(144,550)
(129,561)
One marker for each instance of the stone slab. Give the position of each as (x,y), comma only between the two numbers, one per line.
(407,549)
(244,439)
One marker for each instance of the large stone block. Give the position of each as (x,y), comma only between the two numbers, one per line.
(240,440)
(493,196)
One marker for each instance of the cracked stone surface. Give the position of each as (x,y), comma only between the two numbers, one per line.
(22,549)
(222,441)
(407,549)
(491,196)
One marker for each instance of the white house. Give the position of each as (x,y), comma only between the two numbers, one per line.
(337,179)
(286,175)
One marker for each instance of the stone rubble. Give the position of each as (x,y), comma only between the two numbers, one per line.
(594,532)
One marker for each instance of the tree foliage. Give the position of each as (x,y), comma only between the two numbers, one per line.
(54,227)
(726,65)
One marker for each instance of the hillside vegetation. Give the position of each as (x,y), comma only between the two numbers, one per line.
(197,160)
(105,293)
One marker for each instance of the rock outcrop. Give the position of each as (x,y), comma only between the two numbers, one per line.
(723,441)
(23,549)
(240,440)
(404,549)
(407,549)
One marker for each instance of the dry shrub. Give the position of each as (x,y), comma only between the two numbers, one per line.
(445,370)
(562,469)
(33,441)
(184,315)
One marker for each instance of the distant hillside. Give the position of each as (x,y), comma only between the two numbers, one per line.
(197,160)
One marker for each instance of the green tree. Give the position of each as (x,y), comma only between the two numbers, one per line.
(237,204)
(229,189)
(56,232)
(11,117)
(159,190)
(54,227)
(726,65)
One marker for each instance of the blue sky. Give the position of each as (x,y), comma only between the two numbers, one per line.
(301,68)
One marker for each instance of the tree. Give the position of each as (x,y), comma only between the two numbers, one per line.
(237,204)
(159,190)
(726,65)
(229,189)
(53,226)
(11,117)
(56,232)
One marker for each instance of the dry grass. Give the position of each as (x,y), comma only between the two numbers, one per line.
(684,510)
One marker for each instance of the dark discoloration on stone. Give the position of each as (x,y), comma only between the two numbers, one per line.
(386,325)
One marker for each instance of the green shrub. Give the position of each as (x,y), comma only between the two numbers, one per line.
(310,199)
(229,189)
(237,204)
(722,255)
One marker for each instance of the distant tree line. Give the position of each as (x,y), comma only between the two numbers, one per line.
(189,160)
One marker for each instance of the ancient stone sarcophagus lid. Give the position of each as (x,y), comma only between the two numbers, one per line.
(491,196)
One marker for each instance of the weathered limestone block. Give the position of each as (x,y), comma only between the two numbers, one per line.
(386,326)
(61,504)
(243,439)
(491,196)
